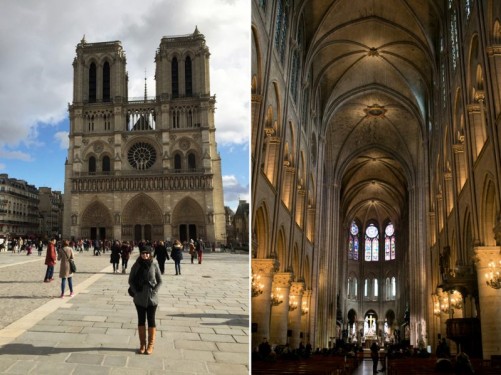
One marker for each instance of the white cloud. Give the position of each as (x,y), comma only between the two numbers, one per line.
(234,191)
(62,139)
(17,155)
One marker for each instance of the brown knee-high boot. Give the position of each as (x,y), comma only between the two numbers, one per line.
(142,339)
(152,331)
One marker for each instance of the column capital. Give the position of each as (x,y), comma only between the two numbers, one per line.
(264,266)
(282,280)
(486,254)
(297,288)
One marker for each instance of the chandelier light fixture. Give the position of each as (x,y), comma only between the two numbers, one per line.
(493,276)
(304,308)
(292,303)
(276,298)
(456,300)
(257,286)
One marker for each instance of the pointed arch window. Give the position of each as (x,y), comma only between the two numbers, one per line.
(389,242)
(106,82)
(106,167)
(192,162)
(371,244)
(454,39)
(175,78)
(375,288)
(92,165)
(281,28)
(393,288)
(177,162)
(187,77)
(353,244)
(92,83)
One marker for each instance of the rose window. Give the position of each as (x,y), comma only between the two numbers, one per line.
(142,155)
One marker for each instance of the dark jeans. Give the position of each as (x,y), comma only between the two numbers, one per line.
(144,313)
(161,265)
(124,263)
(177,265)
(50,273)
(375,361)
(63,284)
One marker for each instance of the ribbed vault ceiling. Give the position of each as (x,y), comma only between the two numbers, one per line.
(372,64)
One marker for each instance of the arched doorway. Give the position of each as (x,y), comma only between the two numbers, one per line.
(142,220)
(97,222)
(188,220)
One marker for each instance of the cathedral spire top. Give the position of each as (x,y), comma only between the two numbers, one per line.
(145,87)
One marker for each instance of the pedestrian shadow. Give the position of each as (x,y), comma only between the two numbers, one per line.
(240,320)
(30,349)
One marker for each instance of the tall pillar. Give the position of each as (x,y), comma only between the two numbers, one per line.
(280,311)
(489,301)
(296,294)
(261,306)
(305,309)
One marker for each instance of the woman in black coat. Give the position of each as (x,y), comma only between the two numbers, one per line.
(177,255)
(161,255)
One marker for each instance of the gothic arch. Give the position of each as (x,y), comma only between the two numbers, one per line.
(142,219)
(97,221)
(489,211)
(256,56)
(282,249)
(296,262)
(307,271)
(188,220)
(260,234)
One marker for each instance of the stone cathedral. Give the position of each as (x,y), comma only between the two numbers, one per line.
(376,173)
(143,168)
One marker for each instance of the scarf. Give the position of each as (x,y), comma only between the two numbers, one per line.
(142,274)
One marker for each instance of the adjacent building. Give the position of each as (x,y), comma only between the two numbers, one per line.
(19,216)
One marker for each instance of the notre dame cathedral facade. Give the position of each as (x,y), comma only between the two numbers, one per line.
(143,169)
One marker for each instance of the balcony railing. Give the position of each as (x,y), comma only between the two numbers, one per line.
(181,182)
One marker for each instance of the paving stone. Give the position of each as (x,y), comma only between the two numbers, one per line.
(202,322)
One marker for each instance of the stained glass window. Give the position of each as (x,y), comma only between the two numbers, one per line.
(353,242)
(389,242)
(281,28)
(371,243)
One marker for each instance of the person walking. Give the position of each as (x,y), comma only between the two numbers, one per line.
(50,260)
(115,255)
(126,249)
(374,356)
(64,255)
(161,255)
(200,250)
(192,251)
(40,248)
(177,255)
(145,281)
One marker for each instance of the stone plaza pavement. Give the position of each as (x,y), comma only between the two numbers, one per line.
(202,320)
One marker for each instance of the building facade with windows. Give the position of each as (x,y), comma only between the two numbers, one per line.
(143,168)
(376,204)
(50,210)
(19,216)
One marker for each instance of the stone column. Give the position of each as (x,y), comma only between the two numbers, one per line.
(305,309)
(261,307)
(296,294)
(489,301)
(280,312)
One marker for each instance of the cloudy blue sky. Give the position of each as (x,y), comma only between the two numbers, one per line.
(38,41)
